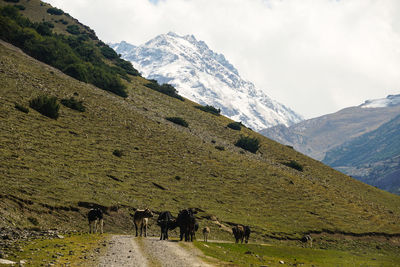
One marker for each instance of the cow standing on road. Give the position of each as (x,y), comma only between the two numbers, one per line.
(140,219)
(166,222)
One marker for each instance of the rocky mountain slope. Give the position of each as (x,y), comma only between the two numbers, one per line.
(123,153)
(206,77)
(314,137)
(359,141)
(373,158)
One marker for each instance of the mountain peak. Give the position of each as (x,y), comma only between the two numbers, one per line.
(390,100)
(207,77)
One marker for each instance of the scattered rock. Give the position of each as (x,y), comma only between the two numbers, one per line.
(6,262)
(281,262)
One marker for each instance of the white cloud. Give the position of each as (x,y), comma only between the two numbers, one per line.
(315,56)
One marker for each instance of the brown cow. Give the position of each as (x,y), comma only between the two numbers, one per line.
(140,219)
(238,232)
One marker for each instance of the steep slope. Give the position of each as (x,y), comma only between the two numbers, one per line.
(373,157)
(203,76)
(122,153)
(316,136)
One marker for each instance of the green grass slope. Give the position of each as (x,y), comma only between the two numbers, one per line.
(52,170)
(48,166)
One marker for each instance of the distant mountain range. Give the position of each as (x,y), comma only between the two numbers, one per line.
(373,157)
(206,77)
(362,141)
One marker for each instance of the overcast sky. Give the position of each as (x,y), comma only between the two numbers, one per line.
(314,56)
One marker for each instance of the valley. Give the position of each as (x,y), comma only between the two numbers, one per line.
(123,152)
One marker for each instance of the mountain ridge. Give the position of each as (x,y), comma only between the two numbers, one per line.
(202,75)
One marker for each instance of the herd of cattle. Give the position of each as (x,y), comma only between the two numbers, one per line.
(186,221)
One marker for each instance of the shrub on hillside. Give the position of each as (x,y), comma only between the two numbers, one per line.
(235,126)
(11,1)
(55,11)
(209,109)
(220,148)
(295,165)
(21,108)
(73,29)
(75,55)
(108,52)
(72,103)
(178,120)
(248,143)
(47,106)
(20,7)
(117,153)
(166,89)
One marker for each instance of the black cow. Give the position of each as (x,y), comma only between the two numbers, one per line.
(95,218)
(238,232)
(187,224)
(166,222)
(247,232)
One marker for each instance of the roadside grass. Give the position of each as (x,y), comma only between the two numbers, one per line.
(271,255)
(72,250)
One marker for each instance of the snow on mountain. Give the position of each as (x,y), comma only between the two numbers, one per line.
(390,100)
(207,78)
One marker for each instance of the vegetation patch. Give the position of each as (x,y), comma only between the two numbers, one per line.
(295,165)
(248,143)
(72,103)
(55,11)
(165,88)
(209,109)
(21,108)
(46,105)
(272,255)
(75,55)
(178,120)
(220,148)
(12,1)
(73,29)
(70,250)
(118,153)
(235,126)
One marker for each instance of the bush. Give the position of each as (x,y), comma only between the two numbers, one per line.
(73,29)
(178,120)
(55,11)
(33,221)
(20,7)
(251,144)
(108,52)
(166,89)
(12,1)
(72,103)
(117,153)
(209,109)
(21,108)
(295,165)
(47,106)
(220,148)
(235,126)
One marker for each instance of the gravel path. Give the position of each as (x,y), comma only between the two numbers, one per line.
(126,250)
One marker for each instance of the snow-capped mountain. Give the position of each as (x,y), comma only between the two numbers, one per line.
(390,100)
(207,78)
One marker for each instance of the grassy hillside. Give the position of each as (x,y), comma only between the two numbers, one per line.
(52,170)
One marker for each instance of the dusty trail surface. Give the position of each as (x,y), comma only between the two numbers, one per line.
(126,250)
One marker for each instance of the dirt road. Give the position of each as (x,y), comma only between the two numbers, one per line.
(126,250)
